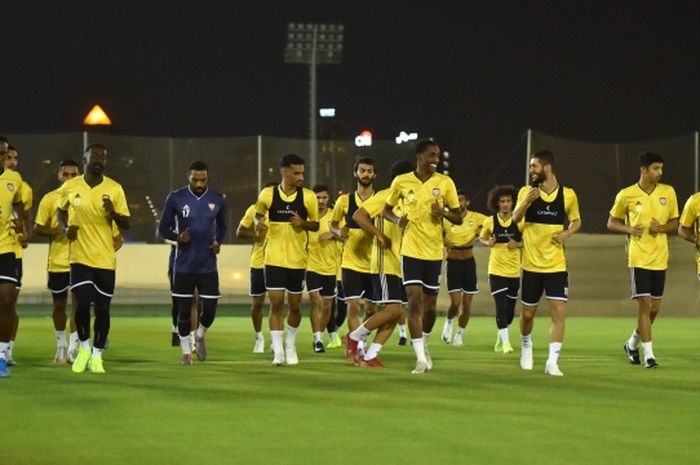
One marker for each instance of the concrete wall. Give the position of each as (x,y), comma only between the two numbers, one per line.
(599,279)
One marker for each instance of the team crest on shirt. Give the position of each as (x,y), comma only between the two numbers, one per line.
(212,206)
(638,207)
(10,187)
(470,223)
(662,200)
(436,192)
(76,200)
(410,197)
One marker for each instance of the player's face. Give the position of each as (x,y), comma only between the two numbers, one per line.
(96,160)
(428,159)
(651,174)
(11,160)
(322,198)
(537,172)
(198,181)
(463,203)
(505,204)
(293,175)
(67,172)
(365,174)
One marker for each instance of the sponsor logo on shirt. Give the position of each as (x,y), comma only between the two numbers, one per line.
(547,212)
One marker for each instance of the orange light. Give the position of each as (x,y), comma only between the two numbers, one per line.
(97,116)
(366,133)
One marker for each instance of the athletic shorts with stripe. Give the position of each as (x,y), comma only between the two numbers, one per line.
(99,278)
(388,289)
(554,285)
(357,285)
(278,278)
(647,283)
(257,282)
(500,284)
(461,276)
(321,283)
(207,284)
(425,273)
(58,283)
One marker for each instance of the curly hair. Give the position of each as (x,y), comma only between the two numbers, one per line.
(497,192)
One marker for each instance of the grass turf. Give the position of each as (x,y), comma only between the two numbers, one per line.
(476,406)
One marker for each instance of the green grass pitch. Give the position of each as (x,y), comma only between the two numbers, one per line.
(475,407)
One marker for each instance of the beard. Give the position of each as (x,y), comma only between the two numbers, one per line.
(365,181)
(537,178)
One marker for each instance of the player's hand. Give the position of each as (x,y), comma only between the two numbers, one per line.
(261,228)
(532,195)
(17,225)
(296,220)
(636,230)
(436,210)
(655,227)
(492,241)
(562,236)
(215,247)
(72,232)
(344,233)
(184,236)
(384,241)
(511,243)
(107,204)
(403,222)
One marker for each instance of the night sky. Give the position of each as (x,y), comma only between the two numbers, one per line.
(473,74)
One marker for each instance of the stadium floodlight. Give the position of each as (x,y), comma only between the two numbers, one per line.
(313,44)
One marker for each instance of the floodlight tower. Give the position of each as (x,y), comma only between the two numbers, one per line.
(313,44)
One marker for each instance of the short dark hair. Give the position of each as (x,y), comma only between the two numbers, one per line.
(271,184)
(198,165)
(291,159)
(401,167)
(497,192)
(320,188)
(422,145)
(362,161)
(546,157)
(11,147)
(462,193)
(647,158)
(4,139)
(68,162)
(95,145)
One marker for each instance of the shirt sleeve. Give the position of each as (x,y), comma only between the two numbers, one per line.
(673,205)
(264,200)
(119,202)
(571,205)
(166,227)
(44,213)
(339,209)
(63,196)
(619,208)
(451,197)
(248,217)
(394,192)
(689,215)
(311,205)
(221,226)
(486,228)
(374,206)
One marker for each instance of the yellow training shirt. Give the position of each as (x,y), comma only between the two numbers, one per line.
(27,195)
(458,235)
(541,254)
(58,245)
(357,250)
(502,260)
(384,261)
(422,237)
(635,206)
(257,253)
(690,218)
(323,255)
(10,193)
(286,245)
(94,246)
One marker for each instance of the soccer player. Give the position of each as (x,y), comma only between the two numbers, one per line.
(321,269)
(355,265)
(21,242)
(503,236)
(95,202)
(647,212)
(386,272)
(246,229)
(46,224)
(292,212)
(427,197)
(195,217)
(461,268)
(10,198)
(690,225)
(547,208)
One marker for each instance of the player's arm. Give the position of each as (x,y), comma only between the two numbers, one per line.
(166,227)
(486,238)
(573,228)
(524,202)
(123,221)
(334,226)
(453,215)
(71,231)
(688,234)
(572,211)
(221,229)
(670,227)
(44,230)
(362,218)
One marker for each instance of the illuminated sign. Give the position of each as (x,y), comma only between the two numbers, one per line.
(404,137)
(364,139)
(326,112)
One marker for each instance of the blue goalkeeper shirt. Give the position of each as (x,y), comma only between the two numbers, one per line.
(204,217)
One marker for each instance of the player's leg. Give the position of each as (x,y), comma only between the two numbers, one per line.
(294,284)
(7,295)
(468,289)
(556,290)
(454,291)
(58,284)
(533,286)
(183,292)
(104,290)
(257,292)
(83,289)
(208,295)
(353,289)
